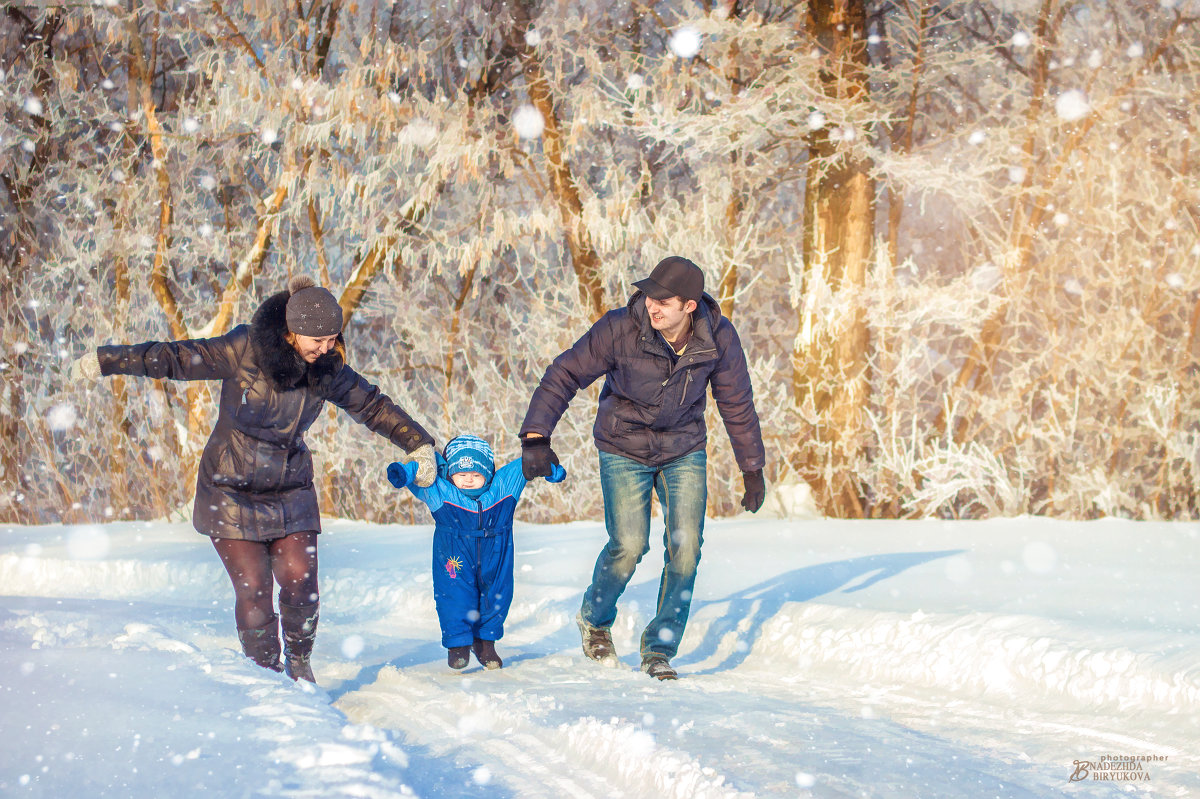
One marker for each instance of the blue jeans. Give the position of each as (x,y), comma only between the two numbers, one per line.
(682,489)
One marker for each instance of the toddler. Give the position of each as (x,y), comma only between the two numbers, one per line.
(473,504)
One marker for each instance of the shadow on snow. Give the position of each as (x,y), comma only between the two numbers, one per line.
(759,603)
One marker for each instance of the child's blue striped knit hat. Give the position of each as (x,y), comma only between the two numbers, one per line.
(469,453)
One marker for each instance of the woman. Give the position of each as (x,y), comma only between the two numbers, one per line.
(254,492)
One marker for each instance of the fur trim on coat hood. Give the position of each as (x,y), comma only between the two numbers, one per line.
(278,359)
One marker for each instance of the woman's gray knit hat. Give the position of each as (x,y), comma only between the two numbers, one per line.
(312,310)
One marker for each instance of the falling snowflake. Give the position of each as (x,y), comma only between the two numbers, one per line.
(528,122)
(976,137)
(107,85)
(61,417)
(269,136)
(190,125)
(33,106)
(87,543)
(1021,40)
(532,37)
(635,82)
(352,646)
(816,120)
(685,42)
(208,182)
(1072,105)
(421,132)
(1039,557)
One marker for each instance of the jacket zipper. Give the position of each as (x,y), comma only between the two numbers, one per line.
(688,369)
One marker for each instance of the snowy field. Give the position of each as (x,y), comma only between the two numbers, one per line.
(825,658)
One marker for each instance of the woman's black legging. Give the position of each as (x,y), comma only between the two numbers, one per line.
(253,566)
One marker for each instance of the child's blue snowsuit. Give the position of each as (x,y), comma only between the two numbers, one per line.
(472,548)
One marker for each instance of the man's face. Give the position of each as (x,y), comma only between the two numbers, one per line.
(668,315)
(467,480)
(312,348)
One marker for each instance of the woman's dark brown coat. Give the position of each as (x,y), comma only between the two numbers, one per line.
(255,480)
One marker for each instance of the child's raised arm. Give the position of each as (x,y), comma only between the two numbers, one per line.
(402,474)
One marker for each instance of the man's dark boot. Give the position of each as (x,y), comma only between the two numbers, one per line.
(658,667)
(299,632)
(261,644)
(485,651)
(597,643)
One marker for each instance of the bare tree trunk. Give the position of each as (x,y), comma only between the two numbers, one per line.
(252,263)
(140,71)
(455,324)
(727,290)
(831,370)
(905,142)
(19,246)
(118,442)
(584,258)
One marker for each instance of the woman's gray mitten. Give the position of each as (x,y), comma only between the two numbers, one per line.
(85,368)
(426,462)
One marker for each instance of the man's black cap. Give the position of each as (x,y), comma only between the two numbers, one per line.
(674,276)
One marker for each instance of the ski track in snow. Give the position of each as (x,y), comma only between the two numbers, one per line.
(779,696)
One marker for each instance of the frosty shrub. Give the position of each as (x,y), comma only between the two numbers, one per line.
(958,240)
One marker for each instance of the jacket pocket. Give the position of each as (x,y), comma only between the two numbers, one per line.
(299,471)
(251,464)
(230,469)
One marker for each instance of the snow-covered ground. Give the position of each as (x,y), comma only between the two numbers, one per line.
(824,658)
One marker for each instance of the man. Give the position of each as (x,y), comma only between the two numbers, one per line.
(659,355)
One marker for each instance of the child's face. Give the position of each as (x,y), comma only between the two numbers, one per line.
(467,480)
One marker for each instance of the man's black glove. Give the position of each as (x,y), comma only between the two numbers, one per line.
(756,490)
(537,459)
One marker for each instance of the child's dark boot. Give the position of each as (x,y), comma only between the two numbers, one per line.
(457,657)
(485,651)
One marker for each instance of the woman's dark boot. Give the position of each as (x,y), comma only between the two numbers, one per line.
(261,644)
(485,651)
(299,632)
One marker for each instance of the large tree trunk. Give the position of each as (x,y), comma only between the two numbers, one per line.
(584,258)
(831,357)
